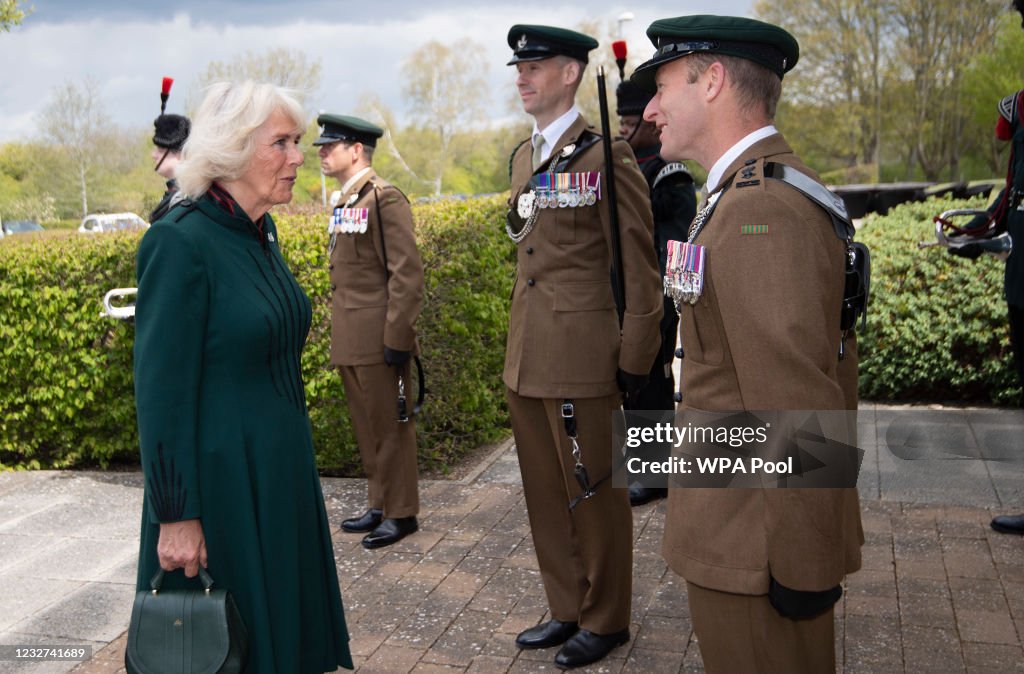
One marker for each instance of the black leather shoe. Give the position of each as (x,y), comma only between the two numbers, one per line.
(640,495)
(1009,524)
(546,635)
(586,647)
(390,531)
(368,521)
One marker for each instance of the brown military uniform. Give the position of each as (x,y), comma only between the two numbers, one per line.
(764,335)
(564,342)
(374,306)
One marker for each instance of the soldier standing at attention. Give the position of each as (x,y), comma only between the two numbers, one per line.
(568,359)
(673,205)
(761,330)
(376,297)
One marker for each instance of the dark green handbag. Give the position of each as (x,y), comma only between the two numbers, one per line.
(185,631)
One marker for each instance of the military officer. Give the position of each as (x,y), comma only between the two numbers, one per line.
(169,136)
(763,566)
(566,350)
(376,297)
(673,205)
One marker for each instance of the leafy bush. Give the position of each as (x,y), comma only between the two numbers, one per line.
(937,326)
(66,386)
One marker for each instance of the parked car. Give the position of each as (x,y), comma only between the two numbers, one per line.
(8,227)
(111,222)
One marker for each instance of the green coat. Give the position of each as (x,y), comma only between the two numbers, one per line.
(225,434)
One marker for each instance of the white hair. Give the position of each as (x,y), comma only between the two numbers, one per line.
(222,141)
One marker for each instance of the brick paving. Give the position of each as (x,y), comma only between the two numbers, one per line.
(938,592)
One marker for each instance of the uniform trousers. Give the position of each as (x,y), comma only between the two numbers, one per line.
(1016,315)
(743,634)
(387,447)
(586,554)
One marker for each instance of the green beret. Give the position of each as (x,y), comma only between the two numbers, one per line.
(335,128)
(757,41)
(535,43)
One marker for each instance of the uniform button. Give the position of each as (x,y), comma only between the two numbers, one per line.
(530,282)
(677,396)
(679,353)
(529,250)
(334,287)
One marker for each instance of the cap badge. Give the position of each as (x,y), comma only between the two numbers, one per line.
(522,42)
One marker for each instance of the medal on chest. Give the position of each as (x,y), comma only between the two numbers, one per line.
(684,272)
(552,190)
(346,220)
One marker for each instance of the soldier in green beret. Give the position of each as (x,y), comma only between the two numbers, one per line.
(568,360)
(376,296)
(760,327)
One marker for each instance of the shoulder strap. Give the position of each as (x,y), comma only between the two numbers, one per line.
(670,169)
(816,192)
(513,156)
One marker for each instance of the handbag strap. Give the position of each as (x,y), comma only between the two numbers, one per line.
(158,579)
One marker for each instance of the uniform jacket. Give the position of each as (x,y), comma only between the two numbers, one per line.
(370,309)
(764,335)
(673,200)
(1014,219)
(564,338)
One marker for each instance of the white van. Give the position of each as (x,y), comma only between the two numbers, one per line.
(111,222)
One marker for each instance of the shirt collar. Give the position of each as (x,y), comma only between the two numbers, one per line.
(555,130)
(716,172)
(354,179)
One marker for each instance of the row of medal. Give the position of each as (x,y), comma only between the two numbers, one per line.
(348,221)
(568,190)
(684,272)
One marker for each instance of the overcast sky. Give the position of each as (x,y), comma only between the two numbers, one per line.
(128,46)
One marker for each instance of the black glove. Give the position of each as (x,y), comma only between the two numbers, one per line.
(971,251)
(630,383)
(799,604)
(396,357)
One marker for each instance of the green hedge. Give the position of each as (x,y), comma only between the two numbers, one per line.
(66,384)
(936,332)
(937,326)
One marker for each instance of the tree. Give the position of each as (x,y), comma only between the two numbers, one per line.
(75,120)
(289,68)
(883,73)
(935,41)
(838,81)
(991,75)
(12,13)
(445,86)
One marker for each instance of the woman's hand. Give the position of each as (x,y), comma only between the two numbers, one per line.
(182,546)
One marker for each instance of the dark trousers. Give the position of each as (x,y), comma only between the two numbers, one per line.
(1017,340)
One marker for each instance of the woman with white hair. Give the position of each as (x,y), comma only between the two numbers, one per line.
(227,452)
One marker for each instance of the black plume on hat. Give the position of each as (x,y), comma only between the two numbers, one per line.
(631,98)
(171,131)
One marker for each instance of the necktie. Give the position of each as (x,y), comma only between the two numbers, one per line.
(702,198)
(538,145)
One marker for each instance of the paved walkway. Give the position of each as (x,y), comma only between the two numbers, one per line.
(939,591)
